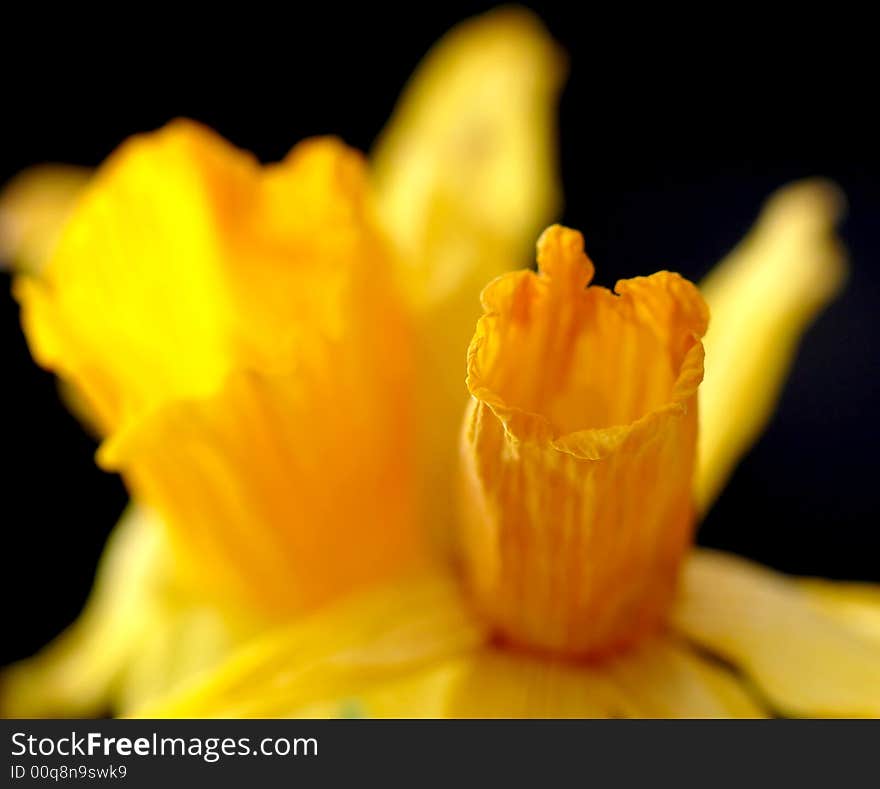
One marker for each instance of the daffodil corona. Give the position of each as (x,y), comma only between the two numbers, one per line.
(579,451)
(275,358)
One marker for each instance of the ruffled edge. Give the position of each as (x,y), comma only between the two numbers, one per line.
(591,443)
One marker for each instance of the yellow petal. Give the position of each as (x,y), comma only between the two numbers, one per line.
(33,208)
(185,260)
(416,651)
(236,331)
(421,694)
(466,169)
(136,274)
(763,297)
(339,653)
(466,173)
(856,605)
(579,450)
(660,679)
(806,662)
(657,680)
(139,635)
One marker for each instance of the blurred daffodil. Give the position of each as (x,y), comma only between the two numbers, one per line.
(247,341)
(271,357)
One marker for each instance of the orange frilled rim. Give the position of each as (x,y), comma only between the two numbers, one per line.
(664,303)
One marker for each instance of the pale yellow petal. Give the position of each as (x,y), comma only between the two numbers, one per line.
(336,654)
(466,169)
(762,298)
(660,679)
(806,662)
(665,679)
(76,674)
(33,209)
(466,173)
(856,605)
(417,651)
(657,680)
(138,636)
(421,694)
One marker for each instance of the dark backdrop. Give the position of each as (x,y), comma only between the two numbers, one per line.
(674,129)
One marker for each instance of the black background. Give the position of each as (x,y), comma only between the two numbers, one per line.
(675,126)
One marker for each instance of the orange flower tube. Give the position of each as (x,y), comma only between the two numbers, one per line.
(579,451)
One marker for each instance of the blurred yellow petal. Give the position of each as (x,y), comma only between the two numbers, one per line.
(185,260)
(466,173)
(657,680)
(466,169)
(422,694)
(806,662)
(33,209)
(140,634)
(660,679)
(579,450)
(236,331)
(77,673)
(763,297)
(136,274)
(339,653)
(856,605)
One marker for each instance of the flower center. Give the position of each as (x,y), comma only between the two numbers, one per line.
(578,451)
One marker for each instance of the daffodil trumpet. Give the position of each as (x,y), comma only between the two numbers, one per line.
(276,360)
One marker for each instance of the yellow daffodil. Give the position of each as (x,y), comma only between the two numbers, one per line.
(271,357)
(272,320)
(577,591)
